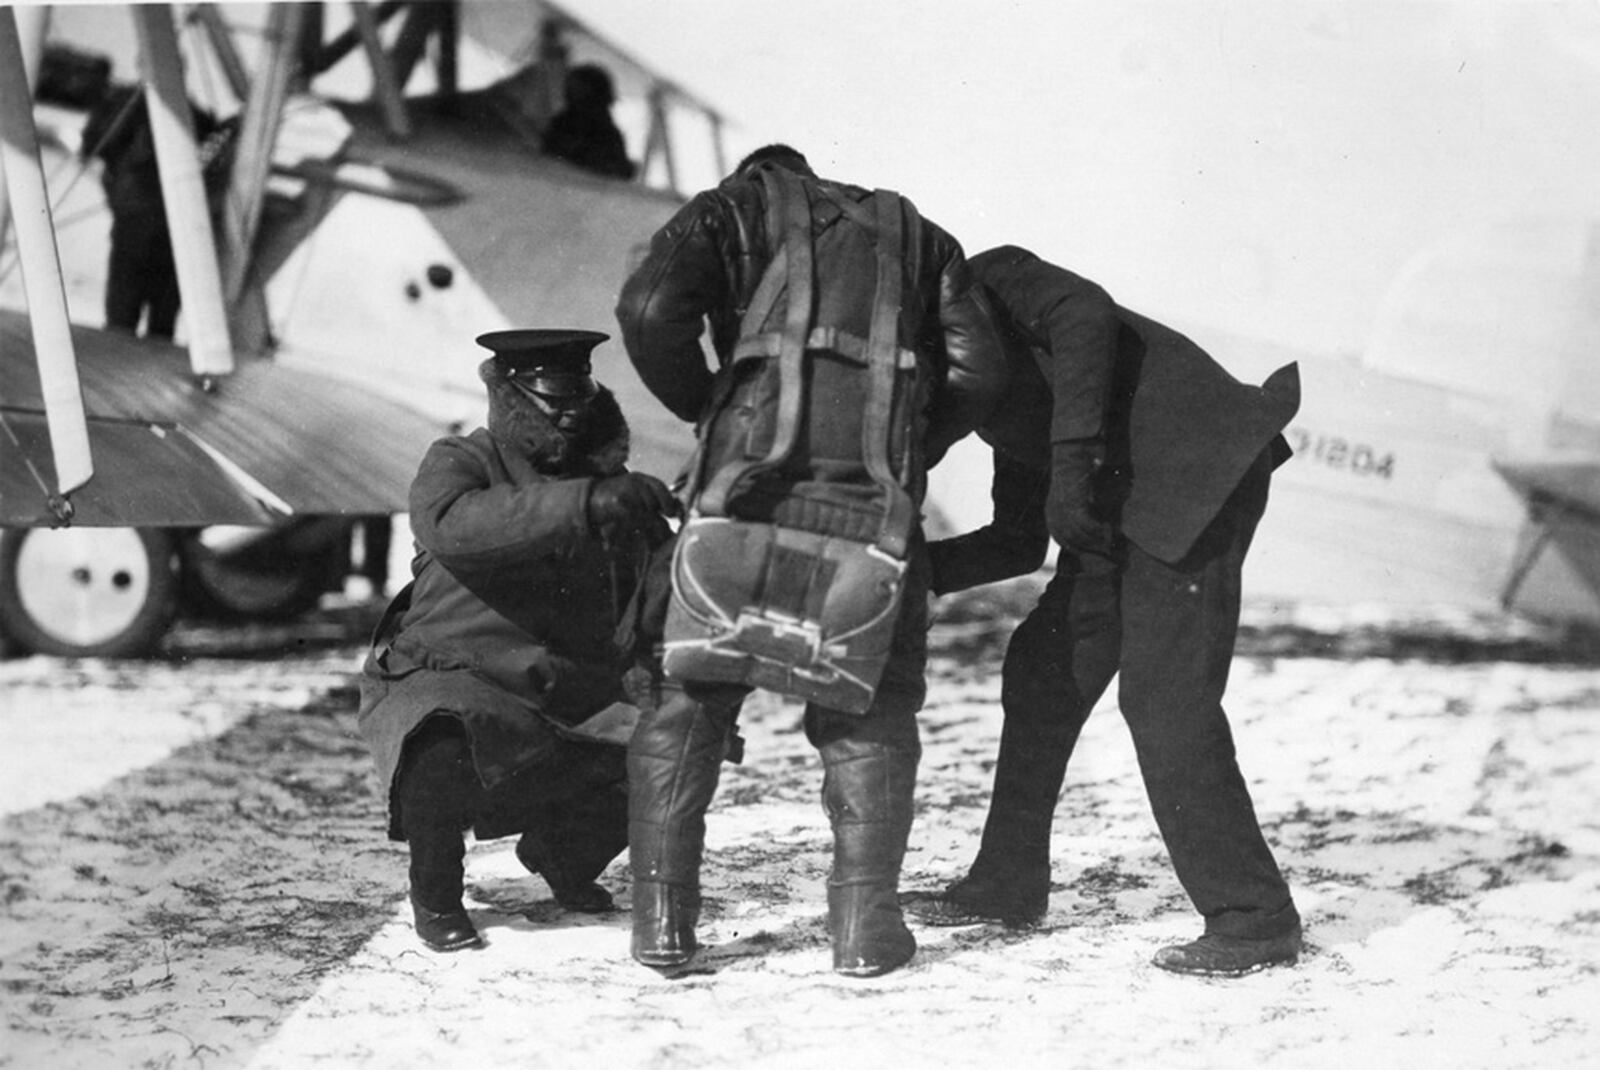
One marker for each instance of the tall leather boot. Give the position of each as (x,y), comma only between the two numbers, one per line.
(867,791)
(437,790)
(674,762)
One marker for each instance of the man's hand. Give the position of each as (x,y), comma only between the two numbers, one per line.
(1071,509)
(628,503)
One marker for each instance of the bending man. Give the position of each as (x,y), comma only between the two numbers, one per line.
(1149,464)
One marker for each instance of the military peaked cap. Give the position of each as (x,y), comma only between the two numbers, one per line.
(551,362)
(533,353)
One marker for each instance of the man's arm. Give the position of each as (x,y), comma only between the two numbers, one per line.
(472,525)
(975,363)
(1014,543)
(1074,327)
(1076,323)
(663,306)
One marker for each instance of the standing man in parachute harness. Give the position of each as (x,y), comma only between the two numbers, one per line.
(853,351)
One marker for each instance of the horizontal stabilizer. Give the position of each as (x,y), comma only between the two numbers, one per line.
(1572,485)
(1560,544)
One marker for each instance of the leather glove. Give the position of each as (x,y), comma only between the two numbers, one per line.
(633,501)
(1071,509)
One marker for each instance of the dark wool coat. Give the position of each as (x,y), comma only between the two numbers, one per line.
(510,623)
(1180,431)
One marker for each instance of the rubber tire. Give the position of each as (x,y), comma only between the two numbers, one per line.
(287,587)
(139,636)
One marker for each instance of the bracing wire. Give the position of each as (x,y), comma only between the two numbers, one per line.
(82,164)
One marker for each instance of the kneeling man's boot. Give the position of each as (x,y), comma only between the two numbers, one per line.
(444,930)
(571,843)
(867,791)
(437,873)
(584,896)
(674,761)
(432,815)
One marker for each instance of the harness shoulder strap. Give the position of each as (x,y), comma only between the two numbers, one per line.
(882,355)
(794,265)
(761,302)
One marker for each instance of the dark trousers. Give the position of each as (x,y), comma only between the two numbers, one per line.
(141,278)
(575,811)
(1170,631)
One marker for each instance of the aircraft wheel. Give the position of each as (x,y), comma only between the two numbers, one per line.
(88,592)
(264,581)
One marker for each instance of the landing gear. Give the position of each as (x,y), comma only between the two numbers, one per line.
(88,592)
(114,592)
(264,574)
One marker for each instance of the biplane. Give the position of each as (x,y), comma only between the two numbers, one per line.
(329,308)
(389,201)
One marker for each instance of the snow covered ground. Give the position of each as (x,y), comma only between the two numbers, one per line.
(194,874)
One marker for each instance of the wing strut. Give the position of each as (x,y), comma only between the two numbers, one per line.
(1528,555)
(386,88)
(41,274)
(33,23)
(194,247)
(263,113)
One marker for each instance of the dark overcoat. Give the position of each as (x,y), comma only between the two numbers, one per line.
(510,623)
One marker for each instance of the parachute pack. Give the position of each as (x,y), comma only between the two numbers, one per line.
(789,570)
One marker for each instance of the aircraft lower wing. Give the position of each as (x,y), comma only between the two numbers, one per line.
(261,444)
(146,475)
(1563,502)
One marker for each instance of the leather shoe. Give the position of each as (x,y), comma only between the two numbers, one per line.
(583,897)
(974,902)
(588,898)
(1214,955)
(451,930)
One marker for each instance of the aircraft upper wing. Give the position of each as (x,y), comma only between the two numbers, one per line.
(265,442)
(510,31)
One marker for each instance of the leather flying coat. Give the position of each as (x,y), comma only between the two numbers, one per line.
(705,263)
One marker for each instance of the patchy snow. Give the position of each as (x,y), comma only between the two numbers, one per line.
(223,895)
(112,717)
